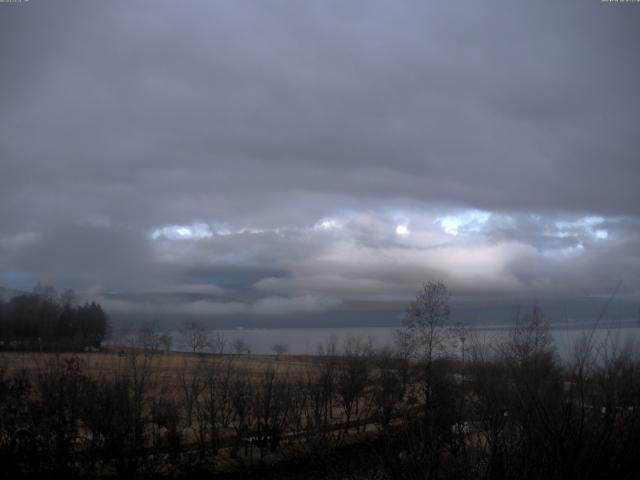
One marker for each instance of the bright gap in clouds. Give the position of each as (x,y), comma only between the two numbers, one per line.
(195,231)
(585,225)
(455,224)
(353,255)
(402,231)
(469,220)
(327,224)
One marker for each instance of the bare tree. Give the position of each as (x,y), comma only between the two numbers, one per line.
(240,346)
(148,337)
(195,335)
(461,333)
(424,336)
(353,376)
(192,385)
(241,394)
(328,363)
(217,343)
(166,340)
(425,318)
(270,406)
(215,410)
(388,388)
(280,349)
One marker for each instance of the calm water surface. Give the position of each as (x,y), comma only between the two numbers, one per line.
(306,340)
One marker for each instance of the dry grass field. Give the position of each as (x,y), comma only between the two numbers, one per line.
(168,366)
(177,378)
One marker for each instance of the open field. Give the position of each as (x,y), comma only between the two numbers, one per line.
(131,412)
(168,365)
(136,403)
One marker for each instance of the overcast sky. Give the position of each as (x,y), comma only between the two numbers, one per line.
(304,157)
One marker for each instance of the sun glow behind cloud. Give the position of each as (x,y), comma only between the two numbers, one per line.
(196,231)
(403,231)
(327,224)
(468,221)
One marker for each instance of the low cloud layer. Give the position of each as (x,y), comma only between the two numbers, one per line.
(290,158)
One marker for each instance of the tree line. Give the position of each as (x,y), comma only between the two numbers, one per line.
(45,321)
(440,404)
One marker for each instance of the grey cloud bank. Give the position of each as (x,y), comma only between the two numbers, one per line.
(309,158)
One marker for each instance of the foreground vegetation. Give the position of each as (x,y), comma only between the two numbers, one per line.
(439,405)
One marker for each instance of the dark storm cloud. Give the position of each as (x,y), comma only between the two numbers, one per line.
(262,120)
(86,255)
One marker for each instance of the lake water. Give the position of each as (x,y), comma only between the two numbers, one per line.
(306,340)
